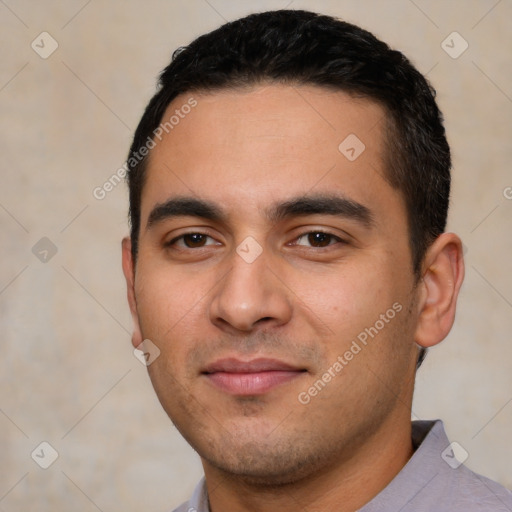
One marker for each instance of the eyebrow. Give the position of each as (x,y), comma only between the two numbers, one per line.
(184,207)
(323,205)
(297,207)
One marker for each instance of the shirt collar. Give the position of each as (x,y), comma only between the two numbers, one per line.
(429,440)
(199,500)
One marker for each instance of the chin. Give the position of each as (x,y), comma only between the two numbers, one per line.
(263,475)
(265,464)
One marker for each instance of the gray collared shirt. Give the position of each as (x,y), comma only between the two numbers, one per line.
(432,481)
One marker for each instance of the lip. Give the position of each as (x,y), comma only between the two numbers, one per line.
(254,377)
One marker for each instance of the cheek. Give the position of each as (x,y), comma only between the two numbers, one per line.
(168,302)
(346,300)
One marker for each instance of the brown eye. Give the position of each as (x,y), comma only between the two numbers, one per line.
(190,245)
(317,239)
(194,240)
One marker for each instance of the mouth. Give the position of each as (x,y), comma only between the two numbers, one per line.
(246,378)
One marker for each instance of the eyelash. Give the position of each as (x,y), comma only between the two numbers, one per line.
(334,239)
(181,237)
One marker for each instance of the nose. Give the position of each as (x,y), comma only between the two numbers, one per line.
(249,297)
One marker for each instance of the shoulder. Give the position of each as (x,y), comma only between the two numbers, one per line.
(453,487)
(436,480)
(470,492)
(185,507)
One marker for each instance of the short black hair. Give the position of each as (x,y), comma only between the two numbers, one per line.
(304,48)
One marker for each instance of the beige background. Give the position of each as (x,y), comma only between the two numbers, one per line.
(67,372)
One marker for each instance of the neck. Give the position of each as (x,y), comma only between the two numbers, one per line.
(345,486)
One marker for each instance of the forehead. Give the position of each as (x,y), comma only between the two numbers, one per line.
(249,147)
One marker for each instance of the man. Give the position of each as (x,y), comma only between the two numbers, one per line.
(288,266)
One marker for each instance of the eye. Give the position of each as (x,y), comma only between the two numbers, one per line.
(193,241)
(317,239)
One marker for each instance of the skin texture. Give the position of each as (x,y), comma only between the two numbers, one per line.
(301,302)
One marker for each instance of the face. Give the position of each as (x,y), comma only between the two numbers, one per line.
(274,275)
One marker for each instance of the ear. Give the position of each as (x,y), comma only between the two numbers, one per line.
(129,274)
(442,276)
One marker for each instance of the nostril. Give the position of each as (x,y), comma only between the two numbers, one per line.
(264,322)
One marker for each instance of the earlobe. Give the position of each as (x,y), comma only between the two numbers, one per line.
(443,273)
(129,274)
